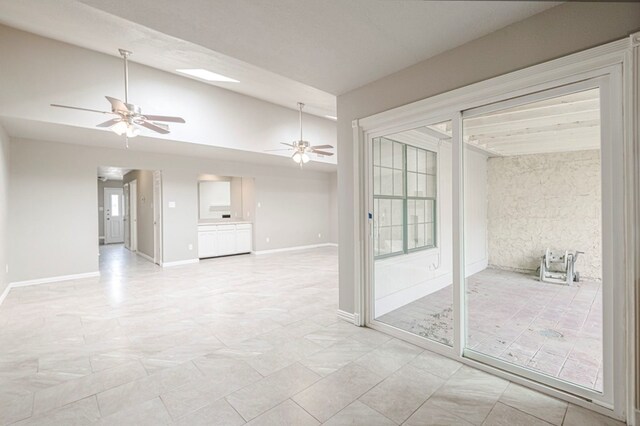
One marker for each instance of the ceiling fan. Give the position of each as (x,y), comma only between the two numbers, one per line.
(129,116)
(301,147)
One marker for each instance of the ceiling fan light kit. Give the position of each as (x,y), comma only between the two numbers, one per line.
(129,116)
(301,147)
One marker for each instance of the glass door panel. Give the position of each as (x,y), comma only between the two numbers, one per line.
(533,237)
(412,231)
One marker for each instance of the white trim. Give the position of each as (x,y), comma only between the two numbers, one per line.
(145,256)
(54,279)
(5,293)
(101,237)
(180,262)
(344,315)
(635,418)
(311,246)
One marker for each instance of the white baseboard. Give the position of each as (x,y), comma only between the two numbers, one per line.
(54,279)
(145,256)
(346,316)
(180,262)
(260,252)
(637,423)
(5,293)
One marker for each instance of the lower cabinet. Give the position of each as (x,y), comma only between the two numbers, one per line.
(222,240)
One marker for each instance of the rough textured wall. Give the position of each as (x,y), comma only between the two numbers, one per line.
(544,200)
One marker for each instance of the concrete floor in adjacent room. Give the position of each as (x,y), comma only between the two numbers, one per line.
(551,328)
(228,341)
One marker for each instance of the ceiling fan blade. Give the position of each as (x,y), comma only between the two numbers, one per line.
(288,144)
(322,152)
(156,127)
(117,104)
(322,147)
(109,123)
(166,118)
(81,109)
(273,150)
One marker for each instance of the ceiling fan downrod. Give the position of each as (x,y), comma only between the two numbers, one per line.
(125,55)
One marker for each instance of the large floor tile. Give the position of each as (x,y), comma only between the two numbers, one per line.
(535,403)
(151,412)
(400,394)
(82,412)
(578,416)
(217,413)
(286,414)
(334,392)
(265,394)
(358,414)
(503,415)
(389,357)
(470,394)
(431,415)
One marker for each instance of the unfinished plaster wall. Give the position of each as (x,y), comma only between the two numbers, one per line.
(544,200)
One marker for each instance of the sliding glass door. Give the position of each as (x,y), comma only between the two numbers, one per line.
(412,231)
(493,235)
(535,286)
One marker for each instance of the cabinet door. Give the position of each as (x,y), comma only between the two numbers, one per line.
(226,242)
(243,240)
(207,244)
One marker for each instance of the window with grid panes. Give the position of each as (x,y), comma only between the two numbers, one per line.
(404,197)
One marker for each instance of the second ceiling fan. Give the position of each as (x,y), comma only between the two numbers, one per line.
(303,148)
(129,116)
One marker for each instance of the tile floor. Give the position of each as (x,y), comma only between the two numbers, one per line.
(241,340)
(550,328)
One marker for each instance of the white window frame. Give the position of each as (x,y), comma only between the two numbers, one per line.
(616,62)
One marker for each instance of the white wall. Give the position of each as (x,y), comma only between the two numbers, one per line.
(545,200)
(562,30)
(4,208)
(101,186)
(43,71)
(61,179)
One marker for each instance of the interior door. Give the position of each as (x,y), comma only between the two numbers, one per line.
(157,217)
(133,214)
(113,215)
(127,217)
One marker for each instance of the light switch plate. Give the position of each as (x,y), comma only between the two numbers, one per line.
(172,204)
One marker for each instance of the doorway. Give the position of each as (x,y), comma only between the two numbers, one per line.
(492,229)
(133,208)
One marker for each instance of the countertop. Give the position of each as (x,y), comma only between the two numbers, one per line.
(231,222)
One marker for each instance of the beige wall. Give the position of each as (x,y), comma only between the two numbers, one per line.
(4,204)
(65,242)
(144,209)
(545,200)
(101,186)
(560,31)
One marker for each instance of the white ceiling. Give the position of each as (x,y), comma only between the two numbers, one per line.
(281,51)
(112,173)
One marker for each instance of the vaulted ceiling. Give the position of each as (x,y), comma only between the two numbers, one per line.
(281,51)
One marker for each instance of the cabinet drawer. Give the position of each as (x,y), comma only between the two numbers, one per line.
(207,228)
(243,226)
(226,227)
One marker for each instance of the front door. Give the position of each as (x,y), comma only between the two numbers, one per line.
(113,215)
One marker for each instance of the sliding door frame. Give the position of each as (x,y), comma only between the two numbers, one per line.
(613,62)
